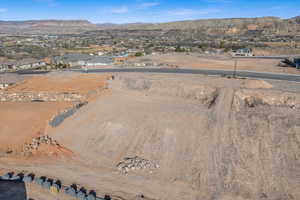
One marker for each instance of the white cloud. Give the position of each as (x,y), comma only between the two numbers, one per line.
(120,10)
(149,4)
(192,12)
(2,10)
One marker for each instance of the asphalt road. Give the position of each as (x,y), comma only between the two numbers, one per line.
(244,74)
(266,57)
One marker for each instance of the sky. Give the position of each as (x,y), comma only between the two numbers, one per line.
(147,11)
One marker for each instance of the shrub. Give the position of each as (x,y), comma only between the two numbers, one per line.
(137,54)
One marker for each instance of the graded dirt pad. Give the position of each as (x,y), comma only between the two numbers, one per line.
(195,61)
(11,78)
(215,150)
(62,83)
(20,122)
(204,136)
(256,84)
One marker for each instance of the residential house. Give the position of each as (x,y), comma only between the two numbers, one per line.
(28,63)
(243,52)
(99,61)
(83,60)
(73,59)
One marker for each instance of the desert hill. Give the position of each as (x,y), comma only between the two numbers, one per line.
(46,26)
(266,25)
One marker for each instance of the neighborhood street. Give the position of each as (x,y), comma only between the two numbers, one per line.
(243,74)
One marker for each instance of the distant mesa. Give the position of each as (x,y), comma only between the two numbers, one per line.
(270,25)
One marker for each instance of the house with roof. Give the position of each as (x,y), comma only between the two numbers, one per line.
(28,63)
(242,52)
(99,61)
(73,60)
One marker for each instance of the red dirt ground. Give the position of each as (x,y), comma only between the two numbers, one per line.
(71,83)
(22,121)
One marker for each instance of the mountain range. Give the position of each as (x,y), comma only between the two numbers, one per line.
(267,25)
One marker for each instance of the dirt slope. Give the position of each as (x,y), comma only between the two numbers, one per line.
(208,138)
(23,121)
(20,122)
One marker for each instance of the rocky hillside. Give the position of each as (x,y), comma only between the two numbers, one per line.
(46,26)
(267,25)
(230,26)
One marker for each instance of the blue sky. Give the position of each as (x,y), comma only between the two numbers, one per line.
(130,11)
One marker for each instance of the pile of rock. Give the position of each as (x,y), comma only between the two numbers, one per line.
(6,96)
(36,142)
(253,98)
(3,85)
(136,163)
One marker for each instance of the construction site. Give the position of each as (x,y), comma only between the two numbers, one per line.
(69,135)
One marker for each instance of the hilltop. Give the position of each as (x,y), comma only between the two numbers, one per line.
(266,25)
(270,25)
(46,26)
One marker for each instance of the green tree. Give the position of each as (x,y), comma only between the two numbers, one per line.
(222,44)
(179,49)
(137,54)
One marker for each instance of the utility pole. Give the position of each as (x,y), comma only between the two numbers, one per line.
(235,66)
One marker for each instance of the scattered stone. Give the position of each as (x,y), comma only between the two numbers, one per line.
(36,142)
(57,183)
(7,96)
(46,185)
(6,176)
(54,189)
(55,186)
(136,163)
(91,197)
(40,181)
(27,179)
(81,195)
(71,191)
(16,178)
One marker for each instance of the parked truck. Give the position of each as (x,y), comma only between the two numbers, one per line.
(290,62)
